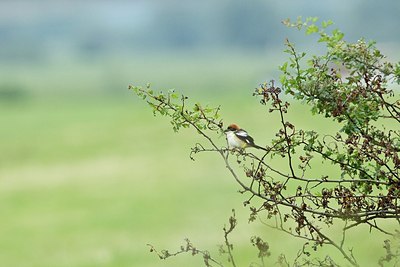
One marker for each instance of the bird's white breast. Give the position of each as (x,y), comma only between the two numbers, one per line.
(233,141)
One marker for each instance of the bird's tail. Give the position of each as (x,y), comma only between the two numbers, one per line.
(260,147)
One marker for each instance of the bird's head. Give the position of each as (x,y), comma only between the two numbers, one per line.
(232,127)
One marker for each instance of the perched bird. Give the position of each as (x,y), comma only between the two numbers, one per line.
(239,138)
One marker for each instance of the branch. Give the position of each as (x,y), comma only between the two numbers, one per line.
(188,248)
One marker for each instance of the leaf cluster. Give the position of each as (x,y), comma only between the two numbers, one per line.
(172,105)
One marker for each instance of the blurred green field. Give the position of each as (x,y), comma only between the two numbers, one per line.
(90,184)
(88,176)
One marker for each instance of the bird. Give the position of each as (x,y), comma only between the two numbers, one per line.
(239,138)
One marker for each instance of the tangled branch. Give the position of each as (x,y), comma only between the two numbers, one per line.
(350,84)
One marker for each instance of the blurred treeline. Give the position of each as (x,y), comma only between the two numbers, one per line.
(37,30)
(66,47)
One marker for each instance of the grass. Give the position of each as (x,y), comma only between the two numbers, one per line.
(88,179)
(85,179)
(93,184)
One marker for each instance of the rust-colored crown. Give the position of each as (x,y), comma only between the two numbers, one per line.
(233,127)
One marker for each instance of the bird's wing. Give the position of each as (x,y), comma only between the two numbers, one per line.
(245,137)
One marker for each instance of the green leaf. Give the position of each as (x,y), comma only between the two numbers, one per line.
(337,35)
(312,29)
(284,67)
(326,24)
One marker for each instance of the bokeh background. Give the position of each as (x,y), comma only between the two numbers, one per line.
(88,176)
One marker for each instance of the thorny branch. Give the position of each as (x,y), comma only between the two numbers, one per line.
(363,188)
